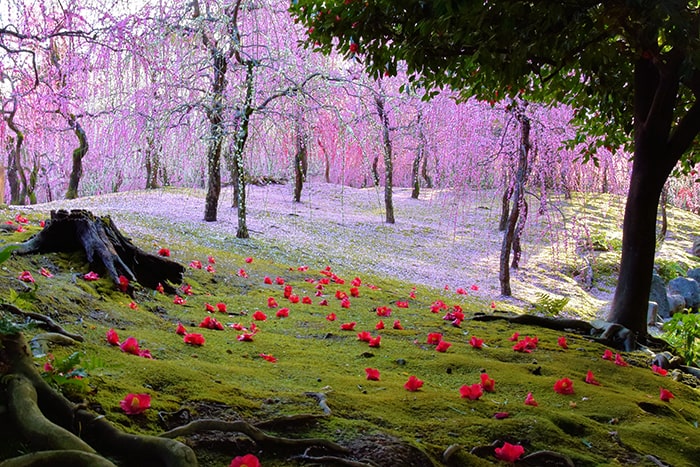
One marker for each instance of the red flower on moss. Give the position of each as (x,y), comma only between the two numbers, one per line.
(590,379)
(306,300)
(210,268)
(658,370)
(434,338)
(164,252)
(348,326)
(487,384)
(471,392)
(620,361)
(282,313)
(354,292)
(331,317)
(514,337)
(246,337)
(509,452)
(530,400)
(267,280)
(123,283)
(187,289)
(134,404)
(323,302)
(221,307)
(112,337)
(476,343)
(271,302)
(178,300)
(413,384)
(133,305)
(379,326)
(665,395)
(249,460)
(442,346)
(211,323)
(372,374)
(279,280)
(242,273)
(259,316)
(437,306)
(294,298)
(397,325)
(249,260)
(196,264)
(194,339)
(159,288)
(130,345)
(401,304)
(287,291)
(561,342)
(383,311)
(564,386)
(45,272)
(345,303)
(356,282)
(91,276)
(364,336)
(180,329)
(607,355)
(20,219)
(375,342)
(268,357)
(211,259)
(460,291)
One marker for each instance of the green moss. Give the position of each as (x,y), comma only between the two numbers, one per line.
(228,378)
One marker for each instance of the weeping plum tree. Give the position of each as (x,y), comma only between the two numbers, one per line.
(631,69)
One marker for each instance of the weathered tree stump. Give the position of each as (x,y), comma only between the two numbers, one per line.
(105,247)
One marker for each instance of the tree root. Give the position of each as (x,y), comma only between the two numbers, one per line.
(254,433)
(63,458)
(44,320)
(321,398)
(331,460)
(50,421)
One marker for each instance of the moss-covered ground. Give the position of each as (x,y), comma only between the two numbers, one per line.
(619,422)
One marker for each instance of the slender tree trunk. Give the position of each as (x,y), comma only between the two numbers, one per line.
(301,164)
(518,199)
(425,174)
(326,162)
(152,162)
(519,227)
(78,153)
(420,156)
(15,171)
(505,208)
(664,215)
(217,132)
(239,144)
(388,161)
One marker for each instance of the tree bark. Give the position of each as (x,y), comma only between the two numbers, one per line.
(517,200)
(388,161)
(241,136)
(420,156)
(15,172)
(78,153)
(216,132)
(105,248)
(301,161)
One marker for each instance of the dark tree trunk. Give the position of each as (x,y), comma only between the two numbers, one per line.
(78,153)
(33,179)
(420,156)
(216,117)
(301,163)
(656,152)
(518,200)
(388,161)
(152,162)
(505,208)
(519,227)
(15,171)
(424,173)
(105,247)
(241,136)
(326,162)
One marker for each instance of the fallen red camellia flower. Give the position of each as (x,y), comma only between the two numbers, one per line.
(180,329)
(112,337)
(348,326)
(590,379)
(488,384)
(91,276)
(164,252)
(372,374)
(530,400)
(442,346)
(665,395)
(134,404)
(130,345)
(194,339)
(471,392)
(413,384)
(259,316)
(434,338)
(564,386)
(509,452)
(249,460)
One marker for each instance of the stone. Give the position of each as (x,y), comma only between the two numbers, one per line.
(694,274)
(688,289)
(658,295)
(696,246)
(676,304)
(652,313)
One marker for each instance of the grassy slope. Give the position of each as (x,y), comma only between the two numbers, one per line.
(616,423)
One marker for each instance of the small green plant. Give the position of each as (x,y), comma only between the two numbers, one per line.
(67,374)
(683,334)
(669,270)
(548,305)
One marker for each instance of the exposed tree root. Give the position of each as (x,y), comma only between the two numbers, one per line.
(254,433)
(285,421)
(47,420)
(62,458)
(43,320)
(105,247)
(321,398)
(331,460)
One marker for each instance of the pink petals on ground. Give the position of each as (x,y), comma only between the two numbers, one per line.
(91,276)
(25,276)
(530,400)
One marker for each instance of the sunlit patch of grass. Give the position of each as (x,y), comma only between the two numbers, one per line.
(315,355)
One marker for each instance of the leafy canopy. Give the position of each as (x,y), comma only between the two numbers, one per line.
(580,53)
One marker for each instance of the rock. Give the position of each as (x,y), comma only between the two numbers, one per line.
(676,304)
(652,313)
(688,289)
(696,246)
(658,295)
(694,274)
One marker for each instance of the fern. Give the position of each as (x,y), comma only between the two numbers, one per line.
(683,333)
(548,305)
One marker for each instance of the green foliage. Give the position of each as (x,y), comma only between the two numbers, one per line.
(549,305)
(669,269)
(67,374)
(683,333)
(9,327)
(7,251)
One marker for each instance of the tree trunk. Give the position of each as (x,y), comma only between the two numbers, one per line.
(216,117)
(152,162)
(656,152)
(241,136)
(664,215)
(15,171)
(420,156)
(78,153)
(301,163)
(517,235)
(518,199)
(388,161)
(505,208)
(424,173)
(105,247)
(326,162)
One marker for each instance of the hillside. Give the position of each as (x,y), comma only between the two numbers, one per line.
(337,235)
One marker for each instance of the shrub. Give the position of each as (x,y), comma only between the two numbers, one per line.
(669,270)
(682,332)
(548,305)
